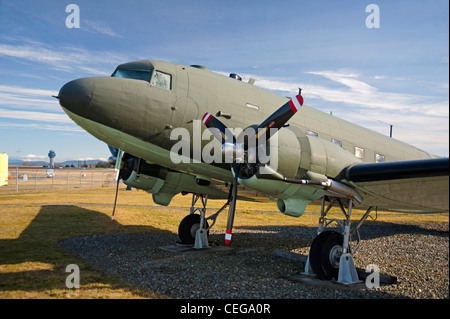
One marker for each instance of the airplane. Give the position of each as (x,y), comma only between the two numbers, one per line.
(164,122)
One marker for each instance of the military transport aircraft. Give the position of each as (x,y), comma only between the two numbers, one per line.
(184,129)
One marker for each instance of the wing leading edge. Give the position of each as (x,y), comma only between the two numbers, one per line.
(420,186)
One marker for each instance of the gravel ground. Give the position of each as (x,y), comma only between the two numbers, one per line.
(416,253)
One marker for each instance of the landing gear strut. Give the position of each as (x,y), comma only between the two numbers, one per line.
(330,255)
(194,228)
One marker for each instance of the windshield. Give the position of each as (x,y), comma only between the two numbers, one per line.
(133,74)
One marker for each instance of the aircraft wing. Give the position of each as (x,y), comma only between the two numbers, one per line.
(412,186)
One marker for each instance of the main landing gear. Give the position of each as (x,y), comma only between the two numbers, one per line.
(330,255)
(194,228)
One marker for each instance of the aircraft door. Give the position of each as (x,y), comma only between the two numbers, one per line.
(181,87)
(184,109)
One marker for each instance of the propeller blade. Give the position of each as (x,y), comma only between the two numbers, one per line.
(232,208)
(282,115)
(218,129)
(241,148)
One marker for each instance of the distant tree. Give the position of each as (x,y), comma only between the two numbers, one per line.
(102,164)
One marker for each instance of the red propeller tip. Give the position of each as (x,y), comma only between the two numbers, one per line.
(228,237)
(296,103)
(300,99)
(206,118)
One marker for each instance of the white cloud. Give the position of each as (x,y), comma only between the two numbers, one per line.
(27,91)
(68,59)
(28,98)
(356,92)
(43,126)
(33,157)
(99,27)
(35,116)
(349,80)
(418,120)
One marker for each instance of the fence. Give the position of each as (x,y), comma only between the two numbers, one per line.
(22,179)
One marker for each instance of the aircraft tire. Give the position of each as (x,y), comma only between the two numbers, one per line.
(188,227)
(324,254)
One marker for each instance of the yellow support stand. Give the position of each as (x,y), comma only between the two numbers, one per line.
(3,169)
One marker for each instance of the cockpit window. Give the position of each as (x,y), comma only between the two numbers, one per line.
(162,80)
(133,74)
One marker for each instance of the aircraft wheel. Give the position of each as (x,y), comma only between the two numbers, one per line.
(324,255)
(188,228)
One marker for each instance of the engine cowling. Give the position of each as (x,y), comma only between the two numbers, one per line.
(301,157)
(164,184)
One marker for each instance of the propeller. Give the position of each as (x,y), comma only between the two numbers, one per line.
(244,163)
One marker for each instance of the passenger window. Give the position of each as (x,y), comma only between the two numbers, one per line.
(379,158)
(337,142)
(162,80)
(311,133)
(359,152)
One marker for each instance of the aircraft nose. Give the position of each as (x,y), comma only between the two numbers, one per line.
(76,95)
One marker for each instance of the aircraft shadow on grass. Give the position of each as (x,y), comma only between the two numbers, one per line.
(38,242)
(56,237)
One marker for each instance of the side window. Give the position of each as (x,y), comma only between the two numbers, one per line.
(162,80)
(311,133)
(359,152)
(252,106)
(379,158)
(337,142)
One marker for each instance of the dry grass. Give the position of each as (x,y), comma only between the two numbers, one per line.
(33,266)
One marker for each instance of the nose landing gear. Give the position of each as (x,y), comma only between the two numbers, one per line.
(194,228)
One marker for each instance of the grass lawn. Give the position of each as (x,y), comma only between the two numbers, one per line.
(31,224)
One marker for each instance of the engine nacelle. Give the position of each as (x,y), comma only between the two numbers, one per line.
(301,157)
(324,157)
(292,154)
(164,184)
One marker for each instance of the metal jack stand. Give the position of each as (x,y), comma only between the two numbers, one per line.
(201,235)
(347,270)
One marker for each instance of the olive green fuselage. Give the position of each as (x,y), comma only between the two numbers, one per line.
(138,116)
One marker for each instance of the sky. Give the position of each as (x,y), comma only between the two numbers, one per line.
(394,73)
